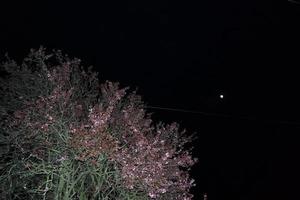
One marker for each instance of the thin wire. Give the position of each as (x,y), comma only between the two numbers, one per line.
(221,115)
(188,111)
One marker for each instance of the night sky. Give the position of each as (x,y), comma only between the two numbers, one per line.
(184,55)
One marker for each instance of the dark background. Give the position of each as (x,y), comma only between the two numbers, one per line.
(184,55)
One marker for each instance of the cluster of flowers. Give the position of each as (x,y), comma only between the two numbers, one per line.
(146,156)
(150,158)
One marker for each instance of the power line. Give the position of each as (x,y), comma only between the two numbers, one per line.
(188,111)
(221,115)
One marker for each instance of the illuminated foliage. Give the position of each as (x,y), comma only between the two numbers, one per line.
(65,136)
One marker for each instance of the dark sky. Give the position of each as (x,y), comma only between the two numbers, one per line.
(184,55)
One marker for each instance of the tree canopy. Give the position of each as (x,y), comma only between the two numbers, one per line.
(65,135)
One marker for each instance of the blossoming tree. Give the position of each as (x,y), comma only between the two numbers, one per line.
(66,136)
